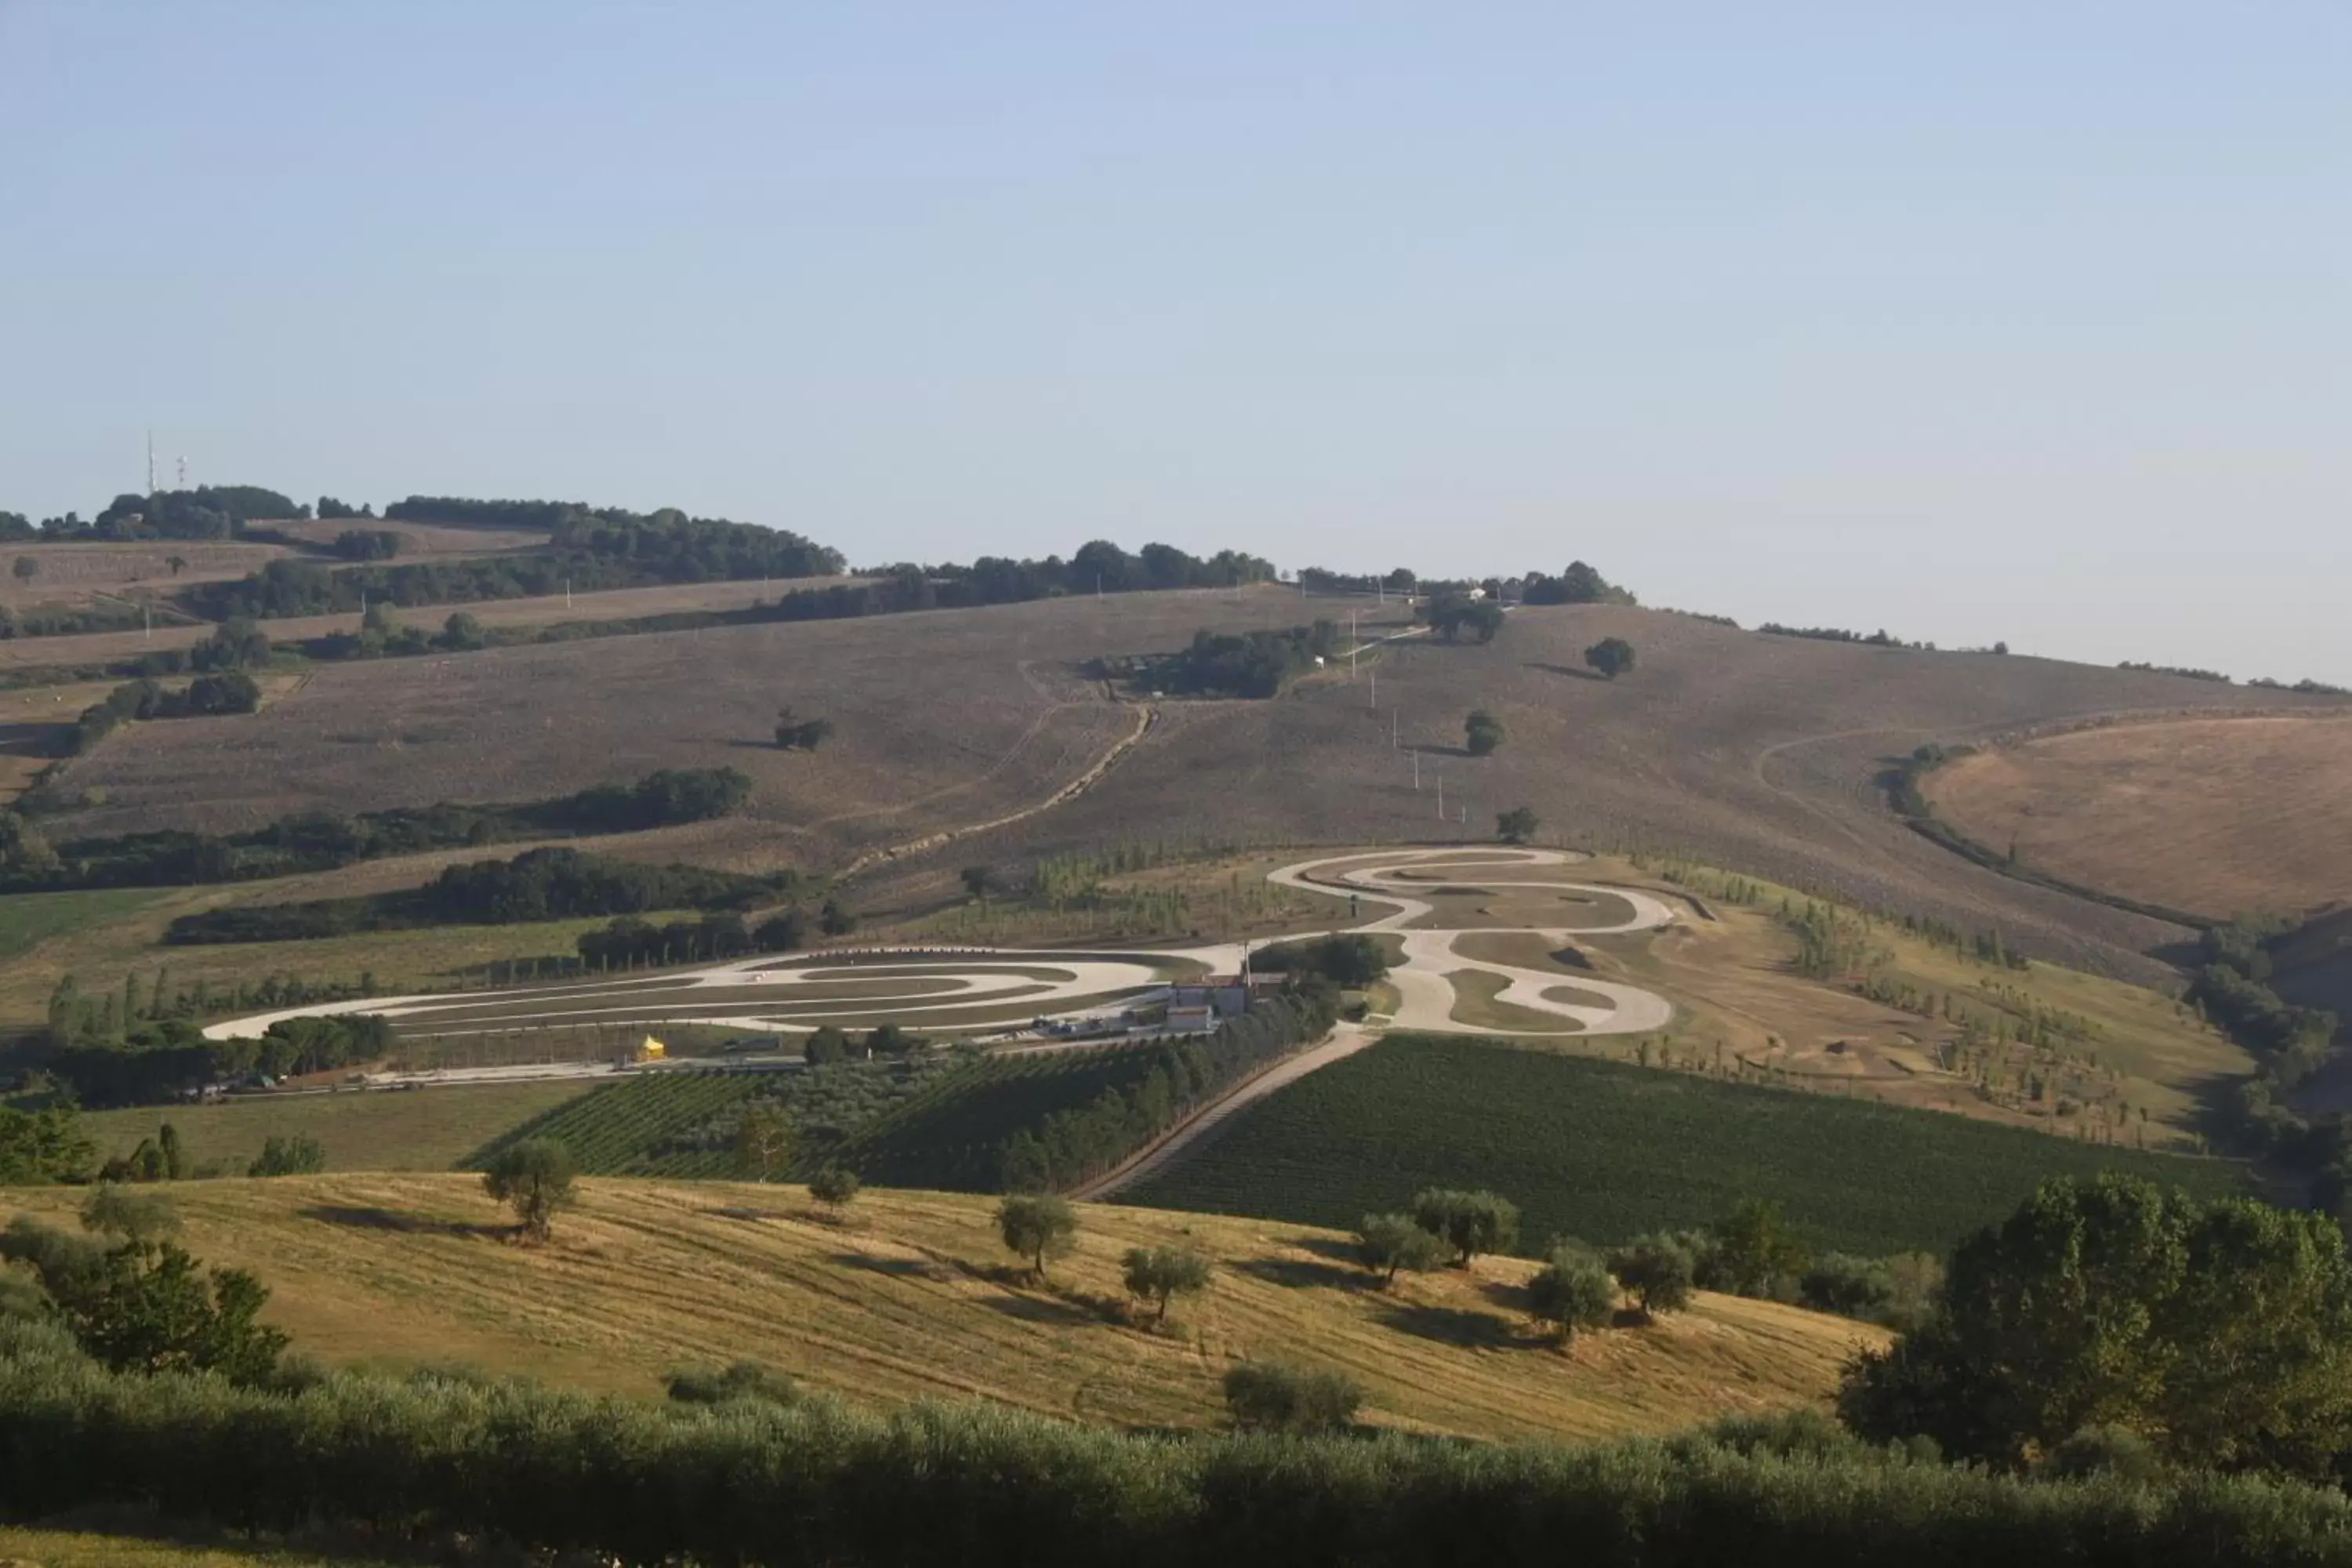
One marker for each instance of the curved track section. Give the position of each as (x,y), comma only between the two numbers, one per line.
(1424,979)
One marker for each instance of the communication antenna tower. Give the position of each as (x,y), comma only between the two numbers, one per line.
(151,462)
(183,473)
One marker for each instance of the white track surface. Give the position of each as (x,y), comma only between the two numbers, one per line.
(1424,991)
(975,977)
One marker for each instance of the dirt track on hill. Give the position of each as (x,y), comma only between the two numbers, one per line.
(1755,752)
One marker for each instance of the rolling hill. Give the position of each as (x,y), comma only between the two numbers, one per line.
(1754,752)
(912,1296)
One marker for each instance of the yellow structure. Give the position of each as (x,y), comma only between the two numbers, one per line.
(651,1051)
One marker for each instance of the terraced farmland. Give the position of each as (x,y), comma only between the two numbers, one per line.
(1603,1152)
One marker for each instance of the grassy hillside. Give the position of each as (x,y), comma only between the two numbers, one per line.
(109,1543)
(1603,1152)
(2212,815)
(912,1296)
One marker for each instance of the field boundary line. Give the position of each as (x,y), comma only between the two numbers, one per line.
(1344,1041)
(1145,718)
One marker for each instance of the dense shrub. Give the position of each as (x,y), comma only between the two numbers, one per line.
(746,1480)
(1345,959)
(325,841)
(538,885)
(1266,1396)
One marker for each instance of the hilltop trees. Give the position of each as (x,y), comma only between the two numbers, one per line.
(533,1177)
(2222,1332)
(1451,615)
(1579,584)
(1482,732)
(1612,657)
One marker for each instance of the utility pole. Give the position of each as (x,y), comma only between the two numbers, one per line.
(1376,691)
(1441,794)
(1416,773)
(151,462)
(1393,729)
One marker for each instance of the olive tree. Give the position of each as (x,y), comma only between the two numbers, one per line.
(535,1178)
(1387,1243)
(1469,1221)
(1656,1270)
(1572,1292)
(1037,1226)
(1160,1273)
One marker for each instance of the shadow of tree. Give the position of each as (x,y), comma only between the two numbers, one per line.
(1566,670)
(1452,1325)
(1302,1271)
(359,1217)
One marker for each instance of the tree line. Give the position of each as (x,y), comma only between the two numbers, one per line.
(232,691)
(538,885)
(205,513)
(325,841)
(1069,1147)
(161,1062)
(1226,664)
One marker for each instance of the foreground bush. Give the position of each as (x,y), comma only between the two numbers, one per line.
(1271,1398)
(749,1481)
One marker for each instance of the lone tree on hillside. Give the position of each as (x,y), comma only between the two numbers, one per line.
(1470,1223)
(1161,1273)
(1613,656)
(795,733)
(1482,732)
(1387,1243)
(763,1141)
(833,920)
(533,1178)
(1037,1226)
(1572,1292)
(979,881)
(25,569)
(1515,826)
(1657,1270)
(835,1186)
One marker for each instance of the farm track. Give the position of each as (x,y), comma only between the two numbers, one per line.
(1145,718)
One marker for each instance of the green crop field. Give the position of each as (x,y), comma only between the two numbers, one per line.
(1602,1151)
(406,1130)
(952,1137)
(684,1123)
(28,919)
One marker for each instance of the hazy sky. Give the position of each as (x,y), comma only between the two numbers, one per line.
(2022,320)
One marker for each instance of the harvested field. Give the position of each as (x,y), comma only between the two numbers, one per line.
(912,1296)
(548,610)
(2212,815)
(72,576)
(1743,749)
(944,719)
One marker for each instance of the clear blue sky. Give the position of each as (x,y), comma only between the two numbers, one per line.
(2011,320)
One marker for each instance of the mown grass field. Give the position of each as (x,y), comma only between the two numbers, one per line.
(402,1130)
(1601,1152)
(912,1295)
(2212,815)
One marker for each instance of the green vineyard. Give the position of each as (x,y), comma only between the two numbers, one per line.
(952,1138)
(1601,1152)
